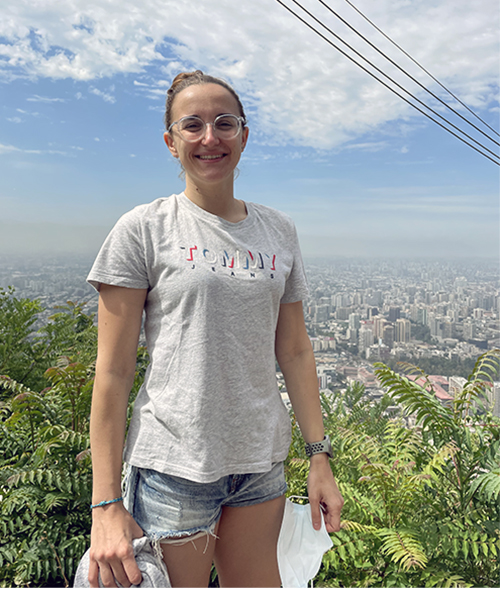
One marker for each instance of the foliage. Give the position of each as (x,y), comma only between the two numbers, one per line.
(421,501)
(422,490)
(25,354)
(45,465)
(17,317)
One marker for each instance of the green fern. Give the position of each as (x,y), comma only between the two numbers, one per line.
(404,548)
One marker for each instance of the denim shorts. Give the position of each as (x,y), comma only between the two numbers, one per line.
(166,506)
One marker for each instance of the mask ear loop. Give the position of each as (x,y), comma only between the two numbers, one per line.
(307,499)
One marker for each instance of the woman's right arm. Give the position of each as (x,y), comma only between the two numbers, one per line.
(113,528)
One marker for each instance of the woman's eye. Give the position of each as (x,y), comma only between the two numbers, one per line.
(191,126)
(226,124)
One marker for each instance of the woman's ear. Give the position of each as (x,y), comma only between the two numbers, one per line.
(170,144)
(244,137)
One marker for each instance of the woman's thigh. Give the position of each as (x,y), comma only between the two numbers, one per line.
(246,549)
(189,564)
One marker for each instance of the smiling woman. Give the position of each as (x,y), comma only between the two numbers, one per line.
(222,284)
(208,135)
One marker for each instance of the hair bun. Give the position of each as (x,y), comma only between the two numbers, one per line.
(180,78)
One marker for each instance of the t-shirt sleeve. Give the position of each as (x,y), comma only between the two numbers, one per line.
(296,288)
(122,259)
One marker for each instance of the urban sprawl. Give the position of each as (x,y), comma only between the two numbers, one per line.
(358,312)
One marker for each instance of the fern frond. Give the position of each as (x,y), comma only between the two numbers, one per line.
(403,547)
(439,459)
(488,484)
(439,578)
(484,371)
(357,527)
(428,410)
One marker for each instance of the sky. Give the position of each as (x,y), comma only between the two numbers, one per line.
(83,83)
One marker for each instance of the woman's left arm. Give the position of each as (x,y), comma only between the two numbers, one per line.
(296,359)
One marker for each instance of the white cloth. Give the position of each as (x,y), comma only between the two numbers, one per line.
(300,546)
(153,569)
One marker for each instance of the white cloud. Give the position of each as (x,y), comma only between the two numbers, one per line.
(298,89)
(46,99)
(368,146)
(5,149)
(14,119)
(8,149)
(104,95)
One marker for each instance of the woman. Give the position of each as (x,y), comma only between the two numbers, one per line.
(222,283)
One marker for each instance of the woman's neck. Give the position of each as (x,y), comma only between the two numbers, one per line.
(218,200)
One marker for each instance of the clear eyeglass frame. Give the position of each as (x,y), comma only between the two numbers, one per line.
(231,132)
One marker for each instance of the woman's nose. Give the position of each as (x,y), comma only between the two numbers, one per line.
(210,135)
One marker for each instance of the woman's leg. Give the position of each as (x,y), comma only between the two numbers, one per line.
(189,563)
(246,551)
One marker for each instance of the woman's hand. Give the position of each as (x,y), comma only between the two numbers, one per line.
(111,552)
(324,495)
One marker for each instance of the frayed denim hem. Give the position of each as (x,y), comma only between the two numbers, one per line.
(182,538)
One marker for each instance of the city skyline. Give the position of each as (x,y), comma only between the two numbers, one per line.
(362,310)
(358,170)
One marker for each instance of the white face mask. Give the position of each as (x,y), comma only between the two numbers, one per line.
(300,546)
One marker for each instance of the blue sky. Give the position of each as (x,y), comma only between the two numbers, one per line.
(82,88)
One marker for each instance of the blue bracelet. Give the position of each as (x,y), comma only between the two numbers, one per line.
(102,503)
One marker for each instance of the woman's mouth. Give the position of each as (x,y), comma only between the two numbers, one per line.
(217,156)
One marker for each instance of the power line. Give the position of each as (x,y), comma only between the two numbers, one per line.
(392,89)
(396,83)
(422,68)
(403,70)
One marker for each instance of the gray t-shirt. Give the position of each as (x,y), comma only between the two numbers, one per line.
(210,404)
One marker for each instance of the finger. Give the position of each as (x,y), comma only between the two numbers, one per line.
(93,573)
(132,571)
(119,574)
(315,513)
(107,577)
(332,520)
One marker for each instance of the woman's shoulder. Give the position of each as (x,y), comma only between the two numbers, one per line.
(273,216)
(145,214)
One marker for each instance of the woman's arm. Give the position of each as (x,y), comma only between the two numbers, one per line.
(119,325)
(296,359)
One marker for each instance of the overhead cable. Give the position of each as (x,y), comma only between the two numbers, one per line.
(422,68)
(390,88)
(404,71)
(396,83)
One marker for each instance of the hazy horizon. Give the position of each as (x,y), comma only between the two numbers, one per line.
(42,240)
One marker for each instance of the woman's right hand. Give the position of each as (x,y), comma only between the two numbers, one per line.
(111,552)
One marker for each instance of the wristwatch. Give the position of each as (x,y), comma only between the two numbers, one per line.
(319,447)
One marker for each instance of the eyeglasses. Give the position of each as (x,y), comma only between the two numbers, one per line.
(193,128)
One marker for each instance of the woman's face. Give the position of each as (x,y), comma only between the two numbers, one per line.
(209,160)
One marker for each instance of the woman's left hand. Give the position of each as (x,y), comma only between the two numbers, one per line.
(324,495)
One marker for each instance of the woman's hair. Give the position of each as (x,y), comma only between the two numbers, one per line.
(185,79)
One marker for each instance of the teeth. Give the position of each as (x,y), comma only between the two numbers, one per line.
(210,157)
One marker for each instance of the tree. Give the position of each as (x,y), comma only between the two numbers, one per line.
(25,354)
(45,464)
(421,503)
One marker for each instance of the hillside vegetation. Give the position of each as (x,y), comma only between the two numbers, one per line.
(422,503)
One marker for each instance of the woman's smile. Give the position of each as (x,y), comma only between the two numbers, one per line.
(211,157)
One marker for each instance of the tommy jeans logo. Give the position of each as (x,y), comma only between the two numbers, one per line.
(237,260)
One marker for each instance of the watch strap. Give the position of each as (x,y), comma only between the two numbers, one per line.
(319,447)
